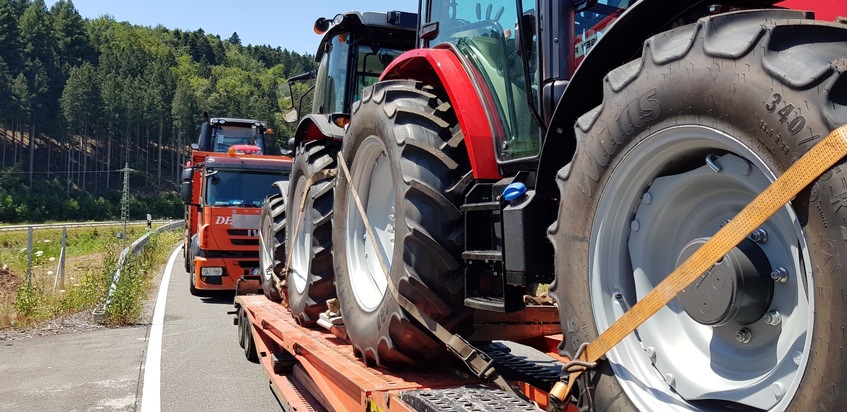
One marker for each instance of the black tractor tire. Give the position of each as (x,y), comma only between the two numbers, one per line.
(408,131)
(764,87)
(194,251)
(310,275)
(272,244)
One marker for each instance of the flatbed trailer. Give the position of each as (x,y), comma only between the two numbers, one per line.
(316,369)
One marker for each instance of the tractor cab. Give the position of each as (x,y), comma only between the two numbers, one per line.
(355,49)
(500,40)
(219,134)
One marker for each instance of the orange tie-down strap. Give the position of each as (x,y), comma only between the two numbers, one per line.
(814,163)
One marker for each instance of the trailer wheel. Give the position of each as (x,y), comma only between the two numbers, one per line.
(249,344)
(404,152)
(272,244)
(310,275)
(240,319)
(195,251)
(685,138)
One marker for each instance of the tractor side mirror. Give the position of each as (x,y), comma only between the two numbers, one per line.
(290,115)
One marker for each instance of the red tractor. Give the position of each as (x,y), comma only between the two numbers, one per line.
(355,49)
(594,146)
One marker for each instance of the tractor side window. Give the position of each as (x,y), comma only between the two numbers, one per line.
(371,62)
(333,68)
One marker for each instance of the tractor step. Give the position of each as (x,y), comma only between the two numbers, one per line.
(486,255)
(472,207)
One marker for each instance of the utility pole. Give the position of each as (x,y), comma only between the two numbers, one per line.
(125,197)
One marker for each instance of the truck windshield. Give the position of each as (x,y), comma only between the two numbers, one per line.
(241,188)
(225,136)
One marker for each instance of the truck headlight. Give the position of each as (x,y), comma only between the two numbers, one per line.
(211,271)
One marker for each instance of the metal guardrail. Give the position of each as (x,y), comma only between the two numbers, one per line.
(16,228)
(99,312)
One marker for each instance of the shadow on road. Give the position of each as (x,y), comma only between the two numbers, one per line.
(224,297)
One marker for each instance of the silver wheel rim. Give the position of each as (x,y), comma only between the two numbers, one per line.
(266,259)
(301,250)
(371,176)
(672,361)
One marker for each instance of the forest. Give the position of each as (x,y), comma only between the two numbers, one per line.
(80,99)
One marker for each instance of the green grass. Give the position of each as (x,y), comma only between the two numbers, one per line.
(92,255)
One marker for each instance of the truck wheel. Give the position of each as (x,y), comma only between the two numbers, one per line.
(185,254)
(194,251)
(310,274)
(685,138)
(272,244)
(405,152)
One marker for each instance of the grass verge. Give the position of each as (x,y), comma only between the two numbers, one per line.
(91,261)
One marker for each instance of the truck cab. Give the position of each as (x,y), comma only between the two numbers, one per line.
(224,193)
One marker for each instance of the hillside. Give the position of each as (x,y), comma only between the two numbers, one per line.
(80,98)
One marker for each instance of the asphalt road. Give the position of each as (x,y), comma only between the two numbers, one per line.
(203,368)
(200,364)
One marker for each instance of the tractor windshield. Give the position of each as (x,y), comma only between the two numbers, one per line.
(486,35)
(225,136)
(242,188)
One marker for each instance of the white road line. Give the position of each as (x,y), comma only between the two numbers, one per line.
(151,396)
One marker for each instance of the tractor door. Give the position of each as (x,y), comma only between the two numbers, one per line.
(487,38)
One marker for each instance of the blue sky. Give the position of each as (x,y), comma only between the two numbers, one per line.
(284,23)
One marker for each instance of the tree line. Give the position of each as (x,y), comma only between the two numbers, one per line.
(81,98)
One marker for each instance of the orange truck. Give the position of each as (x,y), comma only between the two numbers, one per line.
(223,195)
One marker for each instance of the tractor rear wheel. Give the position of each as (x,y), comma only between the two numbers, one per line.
(404,152)
(272,244)
(310,275)
(686,137)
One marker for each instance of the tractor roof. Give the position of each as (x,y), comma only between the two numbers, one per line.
(232,121)
(394,20)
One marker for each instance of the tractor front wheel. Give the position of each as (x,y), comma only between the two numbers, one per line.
(404,154)
(686,137)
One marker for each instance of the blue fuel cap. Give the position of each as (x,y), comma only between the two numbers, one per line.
(514,191)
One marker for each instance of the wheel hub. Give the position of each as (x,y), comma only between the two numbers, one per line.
(738,289)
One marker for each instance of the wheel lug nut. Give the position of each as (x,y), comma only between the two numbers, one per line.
(670,379)
(744,336)
(779,275)
(759,236)
(651,353)
(773,318)
(635,226)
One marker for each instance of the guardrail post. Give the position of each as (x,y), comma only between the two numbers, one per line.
(60,267)
(29,258)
